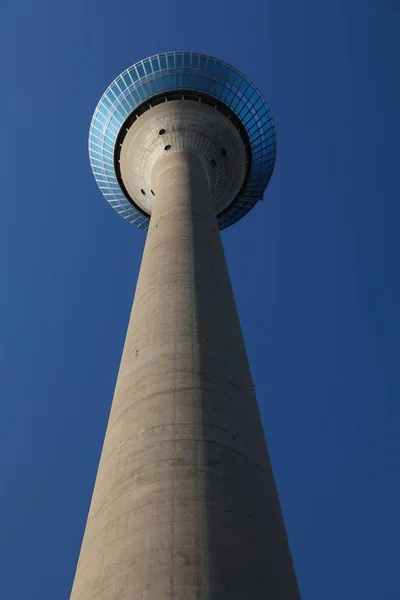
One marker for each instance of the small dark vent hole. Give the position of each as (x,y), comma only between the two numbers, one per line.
(152,192)
(167,147)
(223,152)
(143,192)
(162,131)
(214,163)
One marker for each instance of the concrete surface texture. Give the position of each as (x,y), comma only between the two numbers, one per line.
(184,504)
(184,125)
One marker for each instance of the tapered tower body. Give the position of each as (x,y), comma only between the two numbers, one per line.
(184,504)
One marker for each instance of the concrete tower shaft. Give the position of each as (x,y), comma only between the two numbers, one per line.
(184,504)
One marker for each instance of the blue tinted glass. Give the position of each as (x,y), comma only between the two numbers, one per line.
(226,72)
(127,79)
(243,85)
(103,110)
(135,97)
(121,83)
(186,59)
(210,65)
(133,74)
(115,90)
(100,118)
(154,63)
(240,107)
(212,87)
(200,83)
(97,163)
(171,61)
(230,97)
(235,78)
(140,70)
(218,67)
(146,92)
(203,62)
(106,102)
(178,59)
(179,81)
(186,81)
(195,61)
(116,122)
(111,97)
(126,106)
(140,93)
(153,86)
(172,81)
(163,61)
(147,67)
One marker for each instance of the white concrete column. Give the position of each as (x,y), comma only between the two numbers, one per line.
(184,505)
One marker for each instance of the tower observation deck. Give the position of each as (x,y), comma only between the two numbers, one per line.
(185,505)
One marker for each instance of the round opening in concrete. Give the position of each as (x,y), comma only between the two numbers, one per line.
(167,147)
(143,192)
(162,131)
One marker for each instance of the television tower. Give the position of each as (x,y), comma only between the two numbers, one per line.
(185,505)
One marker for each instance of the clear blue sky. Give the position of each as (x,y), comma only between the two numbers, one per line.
(315,268)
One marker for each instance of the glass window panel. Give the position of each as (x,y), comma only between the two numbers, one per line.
(171,61)
(243,85)
(147,67)
(179,81)
(126,106)
(153,86)
(224,93)
(96,163)
(195,61)
(115,122)
(218,67)
(203,62)
(145,90)
(186,81)
(235,79)
(127,79)
(212,86)
(154,64)
(186,59)
(99,117)
(111,97)
(200,83)
(102,110)
(226,72)
(136,97)
(179,59)
(115,90)
(108,163)
(106,102)
(210,65)
(140,69)
(219,90)
(230,98)
(133,74)
(163,61)
(121,83)
(165,81)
